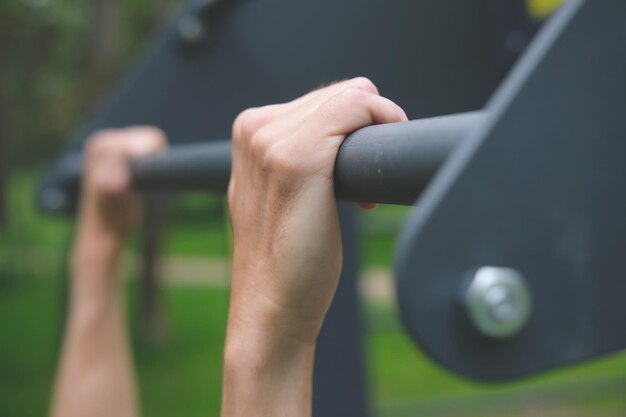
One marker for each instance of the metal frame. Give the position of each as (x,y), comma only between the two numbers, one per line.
(538,189)
(217,58)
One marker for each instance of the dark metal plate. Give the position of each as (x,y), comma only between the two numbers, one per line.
(541,189)
(431,57)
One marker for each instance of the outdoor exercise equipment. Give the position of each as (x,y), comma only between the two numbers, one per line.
(512,263)
(530,206)
(386,164)
(536,197)
(217,58)
(389,163)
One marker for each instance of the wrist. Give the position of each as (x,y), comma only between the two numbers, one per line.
(94,266)
(256,317)
(262,333)
(91,255)
(95,245)
(279,301)
(265,372)
(260,354)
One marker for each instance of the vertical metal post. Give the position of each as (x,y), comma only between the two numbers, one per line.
(4,168)
(151,321)
(339,388)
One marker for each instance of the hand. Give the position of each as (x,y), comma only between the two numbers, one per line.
(287,252)
(287,243)
(109,208)
(95,376)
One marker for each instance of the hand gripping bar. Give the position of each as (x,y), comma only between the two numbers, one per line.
(389,163)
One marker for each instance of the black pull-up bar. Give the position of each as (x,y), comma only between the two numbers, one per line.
(389,163)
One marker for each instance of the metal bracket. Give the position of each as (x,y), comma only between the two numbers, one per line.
(539,189)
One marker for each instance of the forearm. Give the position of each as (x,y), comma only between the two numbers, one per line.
(95,376)
(269,353)
(266,374)
(287,253)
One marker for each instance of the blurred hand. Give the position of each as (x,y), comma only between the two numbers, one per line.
(95,375)
(109,208)
(287,243)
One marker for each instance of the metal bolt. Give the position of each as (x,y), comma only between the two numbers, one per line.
(53,198)
(191,29)
(498,301)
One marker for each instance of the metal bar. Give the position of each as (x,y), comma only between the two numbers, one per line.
(389,163)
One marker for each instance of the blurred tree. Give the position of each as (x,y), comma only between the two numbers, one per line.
(107,21)
(57,59)
(39,77)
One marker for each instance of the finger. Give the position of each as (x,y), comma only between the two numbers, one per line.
(309,103)
(141,141)
(317,97)
(293,114)
(107,169)
(351,110)
(108,153)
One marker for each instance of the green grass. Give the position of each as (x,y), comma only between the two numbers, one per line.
(28,325)
(182,377)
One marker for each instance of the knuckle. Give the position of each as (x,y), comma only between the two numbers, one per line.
(240,118)
(99,143)
(352,95)
(260,141)
(155,134)
(365,84)
(156,139)
(346,99)
(238,124)
(249,122)
(279,159)
(147,138)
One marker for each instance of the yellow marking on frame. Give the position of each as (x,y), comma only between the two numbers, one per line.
(540,9)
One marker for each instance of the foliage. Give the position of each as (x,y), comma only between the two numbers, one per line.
(57,59)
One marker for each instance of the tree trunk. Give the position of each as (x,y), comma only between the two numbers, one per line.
(106,44)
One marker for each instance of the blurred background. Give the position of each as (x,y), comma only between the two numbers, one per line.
(58,58)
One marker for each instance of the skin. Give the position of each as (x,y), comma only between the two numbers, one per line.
(286,259)
(287,242)
(95,375)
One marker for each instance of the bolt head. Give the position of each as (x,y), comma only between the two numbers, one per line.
(498,301)
(53,198)
(191,29)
